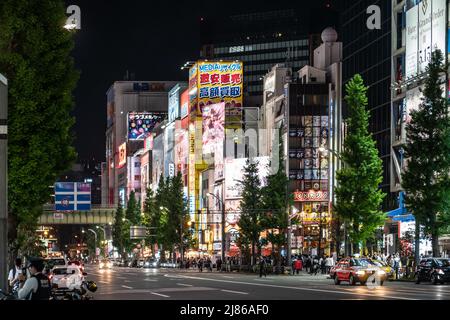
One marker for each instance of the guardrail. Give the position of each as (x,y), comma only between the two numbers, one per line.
(51,207)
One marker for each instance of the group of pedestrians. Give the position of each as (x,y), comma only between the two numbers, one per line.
(208,263)
(29,282)
(312,264)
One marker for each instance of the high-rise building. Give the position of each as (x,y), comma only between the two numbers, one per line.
(262,39)
(307,109)
(368,52)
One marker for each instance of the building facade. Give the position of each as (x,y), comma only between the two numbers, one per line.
(280,36)
(133,108)
(368,52)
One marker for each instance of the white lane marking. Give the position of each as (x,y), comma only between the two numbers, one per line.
(231,291)
(228,277)
(185,285)
(263,280)
(159,294)
(104,282)
(127,287)
(301,289)
(150,280)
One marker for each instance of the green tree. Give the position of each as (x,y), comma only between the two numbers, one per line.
(118,230)
(250,219)
(35,57)
(133,212)
(160,217)
(426,178)
(150,218)
(275,202)
(179,217)
(358,196)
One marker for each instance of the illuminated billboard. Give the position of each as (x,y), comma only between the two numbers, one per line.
(140,124)
(184,108)
(174,102)
(213,127)
(215,82)
(234,171)
(72,196)
(122,154)
(426,27)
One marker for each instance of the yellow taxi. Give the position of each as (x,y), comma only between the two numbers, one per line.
(385,267)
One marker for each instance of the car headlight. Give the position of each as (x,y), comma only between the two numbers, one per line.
(147,264)
(360,272)
(101,265)
(154,264)
(381,272)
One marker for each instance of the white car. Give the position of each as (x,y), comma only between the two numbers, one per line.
(105,264)
(70,277)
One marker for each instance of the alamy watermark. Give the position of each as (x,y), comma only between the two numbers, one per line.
(374,20)
(74,20)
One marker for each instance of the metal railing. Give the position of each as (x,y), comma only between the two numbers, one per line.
(51,207)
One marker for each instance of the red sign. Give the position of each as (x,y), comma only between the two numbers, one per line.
(304,196)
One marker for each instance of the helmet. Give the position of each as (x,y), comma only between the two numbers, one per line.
(92,286)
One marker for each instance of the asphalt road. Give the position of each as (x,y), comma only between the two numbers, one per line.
(173,284)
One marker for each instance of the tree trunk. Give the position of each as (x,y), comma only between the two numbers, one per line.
(355,249)
(435,244)
(253,252)
(417,243)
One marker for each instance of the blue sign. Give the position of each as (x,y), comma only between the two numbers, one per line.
(72,196)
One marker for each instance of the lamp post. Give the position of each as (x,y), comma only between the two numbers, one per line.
(3,183)
(223,227)
(95,241)
(104,238)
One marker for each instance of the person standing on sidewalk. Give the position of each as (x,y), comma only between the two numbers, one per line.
(262,268)
(298,265)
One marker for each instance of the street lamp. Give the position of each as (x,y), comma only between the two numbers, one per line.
(223,227)
(95,241)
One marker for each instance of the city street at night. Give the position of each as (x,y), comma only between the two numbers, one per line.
(172,284)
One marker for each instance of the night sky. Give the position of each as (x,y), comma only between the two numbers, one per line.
(151,39)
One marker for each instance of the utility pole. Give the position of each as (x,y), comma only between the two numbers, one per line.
(3,183)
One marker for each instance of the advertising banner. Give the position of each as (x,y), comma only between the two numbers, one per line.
(175,102)
(213,128)
(304,196)
(184,109)
(72,196)
(234,171)
(122,155)
(426,27)
(215,82)
(140,124)
(412,44)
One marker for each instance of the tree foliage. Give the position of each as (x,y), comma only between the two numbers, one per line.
(250,219)
(426,178)
(275,202)
(358,196)
(120,231)
(35,57)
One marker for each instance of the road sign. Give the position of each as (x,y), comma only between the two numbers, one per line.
(72,196)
